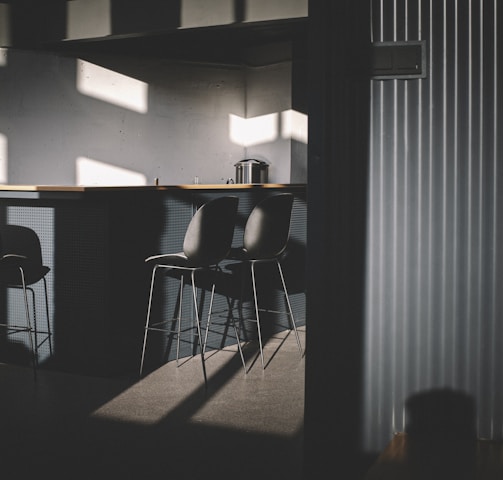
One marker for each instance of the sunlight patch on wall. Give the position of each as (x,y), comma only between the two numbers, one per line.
(294,125)
(3,158)
(253,131)
(112,87)
(93,172)
(88,18)
(3,57)
(4,26)
(259,10)
(201,13)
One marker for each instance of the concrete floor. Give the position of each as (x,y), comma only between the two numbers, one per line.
(165,425)
(438,456)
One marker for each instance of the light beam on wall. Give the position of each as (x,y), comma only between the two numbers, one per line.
(3,158)
(4,26)
(253,131)
(112,87)
(265,128)
(93,172)
(88,18)
(3,57)
(195,13)
(261,10)
(294,125)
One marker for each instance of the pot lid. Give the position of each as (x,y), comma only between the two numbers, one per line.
(251,161)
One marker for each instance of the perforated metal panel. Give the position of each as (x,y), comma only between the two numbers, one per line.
(95,246)
(41,220)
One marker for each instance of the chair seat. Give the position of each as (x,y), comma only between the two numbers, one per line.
(238,253)
(243,255)
(10,274)
(172,260)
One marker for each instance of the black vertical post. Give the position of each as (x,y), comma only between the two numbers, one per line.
(33,22)
(239,11)
(339,52)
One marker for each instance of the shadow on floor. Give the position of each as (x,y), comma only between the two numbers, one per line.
(164,425)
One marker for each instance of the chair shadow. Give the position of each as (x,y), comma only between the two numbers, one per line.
(439,441)
(15,353)
(441,432)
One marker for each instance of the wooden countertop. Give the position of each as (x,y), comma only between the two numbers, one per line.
(82,188)
(36,192)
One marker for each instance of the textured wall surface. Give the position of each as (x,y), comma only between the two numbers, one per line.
(126,120)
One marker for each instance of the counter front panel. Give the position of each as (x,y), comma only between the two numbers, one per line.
(95,241)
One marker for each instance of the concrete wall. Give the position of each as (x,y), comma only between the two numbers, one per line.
(266,112)
(50,20)
(124,120)
(96,18)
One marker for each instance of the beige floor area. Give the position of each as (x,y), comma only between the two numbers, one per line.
(164,425)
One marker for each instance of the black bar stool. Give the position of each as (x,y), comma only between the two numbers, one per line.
(21,267)
(207,242)
(265,239)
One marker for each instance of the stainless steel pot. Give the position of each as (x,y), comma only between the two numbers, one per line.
(252,170)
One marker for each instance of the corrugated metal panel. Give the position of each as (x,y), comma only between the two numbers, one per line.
(434,258)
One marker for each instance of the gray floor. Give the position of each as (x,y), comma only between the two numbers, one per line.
(165,425)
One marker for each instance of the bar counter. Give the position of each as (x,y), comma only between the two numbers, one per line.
(95,240)
(40,191)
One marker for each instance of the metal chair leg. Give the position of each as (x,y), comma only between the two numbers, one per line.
(208,321)
(208,324)
(36,333)
(147,322)
(240,303)
(198,326)
(290,312)
(34,323)
(179,319)
(252,266)
(49,332)
(28,325)
(238,340)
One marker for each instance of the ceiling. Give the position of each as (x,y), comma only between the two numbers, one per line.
(236,43)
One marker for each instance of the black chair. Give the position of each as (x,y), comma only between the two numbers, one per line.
(265,239)
(207,242)
(21,267)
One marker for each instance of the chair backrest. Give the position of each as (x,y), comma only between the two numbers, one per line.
(209,235)
(268,227)
(19,240)
(20,247)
